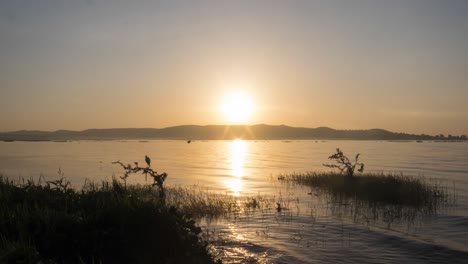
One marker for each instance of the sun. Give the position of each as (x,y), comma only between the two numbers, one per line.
(237,108)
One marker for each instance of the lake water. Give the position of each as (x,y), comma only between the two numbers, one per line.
(310,230)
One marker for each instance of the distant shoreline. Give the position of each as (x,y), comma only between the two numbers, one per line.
(204,140)
(221,132)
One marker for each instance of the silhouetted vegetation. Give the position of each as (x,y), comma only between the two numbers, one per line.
(48,222)
(377,188)
(344,164)
(158,179)
(199,204)
(391,198)
(203,204)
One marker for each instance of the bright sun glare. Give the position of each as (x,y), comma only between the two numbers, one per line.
(237,108)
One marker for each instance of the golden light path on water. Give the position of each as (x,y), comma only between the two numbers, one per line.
(238,150)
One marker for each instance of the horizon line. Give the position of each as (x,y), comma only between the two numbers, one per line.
(222,125)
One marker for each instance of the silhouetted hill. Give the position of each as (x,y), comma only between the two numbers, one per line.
(218,132)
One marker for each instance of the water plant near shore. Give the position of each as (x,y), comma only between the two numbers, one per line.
(374,196)
(209,205)
(390,189)
(390,197)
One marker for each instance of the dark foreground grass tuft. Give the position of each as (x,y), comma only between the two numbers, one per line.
(102,223)
(390,189)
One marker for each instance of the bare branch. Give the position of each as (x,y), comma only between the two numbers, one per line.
(158,179)
(343,164)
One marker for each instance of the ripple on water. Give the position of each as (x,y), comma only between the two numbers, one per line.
(303,234)
(301,239)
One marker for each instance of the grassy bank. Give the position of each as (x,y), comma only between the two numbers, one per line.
(105,223)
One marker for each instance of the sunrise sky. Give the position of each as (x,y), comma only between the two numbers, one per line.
(396,65)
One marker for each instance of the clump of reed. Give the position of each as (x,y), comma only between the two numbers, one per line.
(49,222)
(391,197)
(372,196)
(389,189)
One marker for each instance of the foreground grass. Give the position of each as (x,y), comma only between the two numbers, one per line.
(105,223)
(377,189)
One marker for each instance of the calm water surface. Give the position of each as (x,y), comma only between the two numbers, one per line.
(309,231)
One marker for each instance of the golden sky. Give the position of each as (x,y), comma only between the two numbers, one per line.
(396,65)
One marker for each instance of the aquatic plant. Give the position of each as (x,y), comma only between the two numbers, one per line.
(208,205)
(344,164)
(391,198)
(377,188)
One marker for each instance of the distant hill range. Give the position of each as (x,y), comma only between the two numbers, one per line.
(215,132)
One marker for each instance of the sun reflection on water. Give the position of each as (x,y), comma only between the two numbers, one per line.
(238,149)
